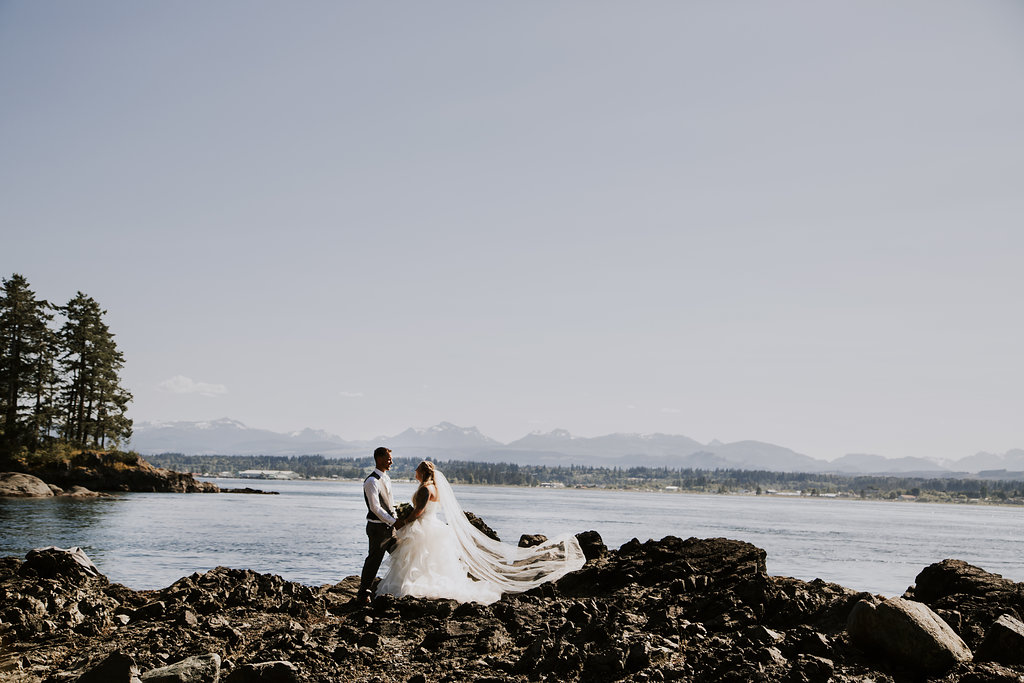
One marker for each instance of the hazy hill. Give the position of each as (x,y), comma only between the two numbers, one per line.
(609,446)
(230,437)
(447,441)
(756,455)
(443,435)
(861,463)
(1011,460)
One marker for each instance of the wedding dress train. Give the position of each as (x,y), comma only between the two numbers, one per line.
(452,559)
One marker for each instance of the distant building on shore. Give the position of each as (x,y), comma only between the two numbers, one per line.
(268,474)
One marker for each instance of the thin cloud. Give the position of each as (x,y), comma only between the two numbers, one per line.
(179,384)
(671,410)
(351,394)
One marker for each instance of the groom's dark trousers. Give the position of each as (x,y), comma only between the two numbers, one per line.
(377,533)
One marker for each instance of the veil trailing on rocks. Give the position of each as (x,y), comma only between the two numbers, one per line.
(509,568)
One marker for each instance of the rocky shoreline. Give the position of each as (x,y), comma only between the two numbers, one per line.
(668,610)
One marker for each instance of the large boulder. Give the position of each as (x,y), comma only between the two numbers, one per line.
(199,669)
(906,632)
(18,485)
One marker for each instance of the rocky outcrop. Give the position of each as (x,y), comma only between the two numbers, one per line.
(82,474)
(684,610)
(18,485)
(121,472)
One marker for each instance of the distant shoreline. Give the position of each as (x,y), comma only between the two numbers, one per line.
(784,494)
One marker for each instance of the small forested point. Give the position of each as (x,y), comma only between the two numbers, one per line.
(59,387)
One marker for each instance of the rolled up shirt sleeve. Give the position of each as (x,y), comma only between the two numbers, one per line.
(372,490)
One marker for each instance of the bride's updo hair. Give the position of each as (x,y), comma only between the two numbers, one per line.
(426,470)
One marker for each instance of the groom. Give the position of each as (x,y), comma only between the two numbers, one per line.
(380,519)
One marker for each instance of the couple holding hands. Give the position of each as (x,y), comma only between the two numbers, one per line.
(447,558)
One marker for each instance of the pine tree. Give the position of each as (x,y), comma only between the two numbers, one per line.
(45,394)
(93,402)
(27,350)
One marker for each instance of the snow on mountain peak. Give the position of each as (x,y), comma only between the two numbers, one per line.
(222,422)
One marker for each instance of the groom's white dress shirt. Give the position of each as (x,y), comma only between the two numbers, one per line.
(372,487)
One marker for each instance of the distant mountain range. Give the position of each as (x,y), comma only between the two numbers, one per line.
(447,441)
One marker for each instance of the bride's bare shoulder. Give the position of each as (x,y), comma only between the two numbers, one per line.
(425,493)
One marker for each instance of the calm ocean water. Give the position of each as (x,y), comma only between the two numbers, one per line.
(313,531)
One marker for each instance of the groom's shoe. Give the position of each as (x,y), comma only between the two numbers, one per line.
(364,600)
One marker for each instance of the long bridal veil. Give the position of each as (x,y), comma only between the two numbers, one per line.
(509,568)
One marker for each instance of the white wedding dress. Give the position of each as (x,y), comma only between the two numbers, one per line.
(455,560)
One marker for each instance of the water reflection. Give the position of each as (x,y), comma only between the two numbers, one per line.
(28,523)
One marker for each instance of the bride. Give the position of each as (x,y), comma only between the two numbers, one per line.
(455,560)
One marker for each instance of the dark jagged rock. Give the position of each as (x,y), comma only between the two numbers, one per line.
(116,668)
(956,577)
(51,563)
(697,610)
(481,525)
(969,598)
(592,545)
(531,540)
(1004,642)
(265,672)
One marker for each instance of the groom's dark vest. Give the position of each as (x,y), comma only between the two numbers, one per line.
(380,495)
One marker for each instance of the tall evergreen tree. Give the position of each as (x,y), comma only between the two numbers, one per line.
(27,351)
(45,393)
(93,402)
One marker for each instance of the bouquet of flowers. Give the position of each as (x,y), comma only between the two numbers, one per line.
(403,510)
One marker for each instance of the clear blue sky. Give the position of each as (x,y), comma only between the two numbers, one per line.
(795,222)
